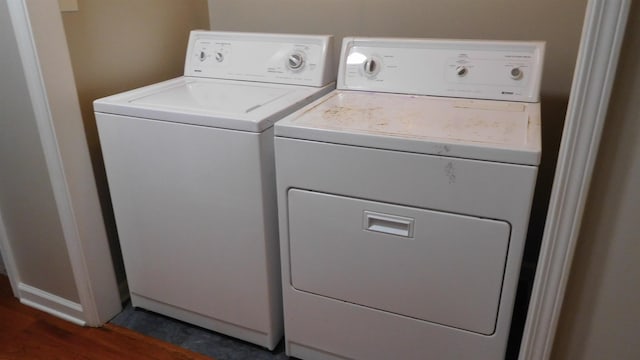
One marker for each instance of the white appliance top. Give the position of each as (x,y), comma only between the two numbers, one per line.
(240,81)
(467,128)
(385,100)
(229,104)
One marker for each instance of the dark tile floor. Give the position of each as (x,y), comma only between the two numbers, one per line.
(194,338)
(218,346)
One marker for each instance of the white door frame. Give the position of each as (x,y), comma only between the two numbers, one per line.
(90,259)
(602,36)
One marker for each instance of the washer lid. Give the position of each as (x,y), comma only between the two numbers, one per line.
(474,129)
(239,105)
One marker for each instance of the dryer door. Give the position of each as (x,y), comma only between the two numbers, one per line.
(433,266)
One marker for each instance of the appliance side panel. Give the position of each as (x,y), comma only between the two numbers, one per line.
(190,217)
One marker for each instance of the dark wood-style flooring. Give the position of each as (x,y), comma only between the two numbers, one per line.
(27,333)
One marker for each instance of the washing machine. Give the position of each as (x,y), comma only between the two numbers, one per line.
(404,198)
(190,169)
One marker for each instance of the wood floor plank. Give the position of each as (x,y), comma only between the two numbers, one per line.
(13,321)
(27,333)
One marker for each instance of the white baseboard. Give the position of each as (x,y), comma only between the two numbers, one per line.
(51,304)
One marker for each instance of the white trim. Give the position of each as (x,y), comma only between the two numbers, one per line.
(602,35)
(37,91)
(52,304)
(7,257)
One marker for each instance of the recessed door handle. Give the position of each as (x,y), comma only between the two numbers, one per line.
(388,224)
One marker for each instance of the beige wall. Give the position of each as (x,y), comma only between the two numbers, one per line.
(27,204)
(557,22)
(601,313)
(118,45)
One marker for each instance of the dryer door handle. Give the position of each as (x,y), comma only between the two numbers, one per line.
(388,224)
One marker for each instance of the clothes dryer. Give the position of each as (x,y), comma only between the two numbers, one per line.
(191,174)
(404,198)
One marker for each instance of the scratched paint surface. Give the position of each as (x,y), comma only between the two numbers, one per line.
(481,121)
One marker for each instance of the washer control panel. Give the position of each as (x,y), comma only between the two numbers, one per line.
(498,70)
(278,58)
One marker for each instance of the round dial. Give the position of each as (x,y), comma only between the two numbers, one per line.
(219,57)
(371,66)
(462,70)
(516,73)
(295,61)
(202,56)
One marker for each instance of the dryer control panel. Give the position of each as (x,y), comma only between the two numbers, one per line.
(478,69)
(276,58)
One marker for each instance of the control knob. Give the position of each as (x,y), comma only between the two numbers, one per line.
(371,67)
(295,61)
(219,57)
(516,73)
(462,70)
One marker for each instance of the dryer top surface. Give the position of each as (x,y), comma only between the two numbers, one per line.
(477,129)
